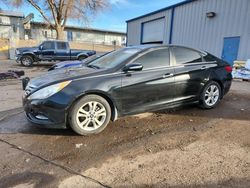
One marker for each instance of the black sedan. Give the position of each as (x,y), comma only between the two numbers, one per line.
(128,81)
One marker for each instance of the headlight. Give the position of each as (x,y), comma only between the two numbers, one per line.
(48,91)
(17,52)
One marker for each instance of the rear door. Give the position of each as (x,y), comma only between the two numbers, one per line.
(149,89)
(190,73)
(48,50)
(62,51)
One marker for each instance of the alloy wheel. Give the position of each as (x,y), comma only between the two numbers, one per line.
(26,61)
(212,95)
(91,116)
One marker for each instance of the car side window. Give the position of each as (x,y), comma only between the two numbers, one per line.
(185,56)
(155,59)
(61,45)
(48,46)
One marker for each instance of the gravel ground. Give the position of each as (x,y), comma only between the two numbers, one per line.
(186,147)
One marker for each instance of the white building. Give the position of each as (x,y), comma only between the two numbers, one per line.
(39,31)
(11,24)
(221,27)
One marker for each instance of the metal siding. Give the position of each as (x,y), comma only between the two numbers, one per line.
(134,27)
(192,27)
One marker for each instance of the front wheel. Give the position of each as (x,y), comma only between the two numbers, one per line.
(27,61)
(211,95)
(90,115)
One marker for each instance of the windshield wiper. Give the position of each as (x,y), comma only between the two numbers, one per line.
(93,66)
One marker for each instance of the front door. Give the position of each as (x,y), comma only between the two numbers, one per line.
(230,49)
(48,51)
(149,89)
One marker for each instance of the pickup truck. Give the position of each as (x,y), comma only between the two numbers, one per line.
(50,51)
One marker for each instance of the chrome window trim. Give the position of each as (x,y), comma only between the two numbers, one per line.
(123,73)
(192,64)
(149,69)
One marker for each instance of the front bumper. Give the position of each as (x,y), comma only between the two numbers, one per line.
(45,114)
(18,58)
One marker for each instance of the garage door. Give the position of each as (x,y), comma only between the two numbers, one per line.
(153,31)
(4,49)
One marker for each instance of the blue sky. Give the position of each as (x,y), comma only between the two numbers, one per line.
(114,17)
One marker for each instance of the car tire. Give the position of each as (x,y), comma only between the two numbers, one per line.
(211,95)
(82,58)
(27,61)
(90,115)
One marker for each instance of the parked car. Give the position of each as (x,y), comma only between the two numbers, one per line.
(75,63)
(50,51)
(125,82)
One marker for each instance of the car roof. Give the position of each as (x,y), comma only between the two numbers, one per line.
(148,46)
(54,41)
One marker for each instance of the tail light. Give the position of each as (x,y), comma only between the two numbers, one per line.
(229,69)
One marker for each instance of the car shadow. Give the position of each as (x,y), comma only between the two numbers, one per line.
(233,107)
(16,122)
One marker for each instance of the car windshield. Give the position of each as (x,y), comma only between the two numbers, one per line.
(40,44)
(113,59)
(93,58)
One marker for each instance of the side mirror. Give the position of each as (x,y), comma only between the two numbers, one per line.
(41,47)
(133,67)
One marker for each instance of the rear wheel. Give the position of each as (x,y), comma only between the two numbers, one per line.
(27,61)
(90,115)
(211,95)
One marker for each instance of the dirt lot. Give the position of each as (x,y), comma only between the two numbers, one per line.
(186,147)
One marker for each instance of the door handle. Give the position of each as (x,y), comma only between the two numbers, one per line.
(203,67)
(168,75)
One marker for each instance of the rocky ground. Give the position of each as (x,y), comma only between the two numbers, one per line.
(186,147)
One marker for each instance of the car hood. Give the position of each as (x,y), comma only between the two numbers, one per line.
(61,75)
(27,49)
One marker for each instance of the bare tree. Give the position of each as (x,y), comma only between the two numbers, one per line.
(56,13)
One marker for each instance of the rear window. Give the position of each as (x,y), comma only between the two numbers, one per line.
(61,45)
(209,58)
